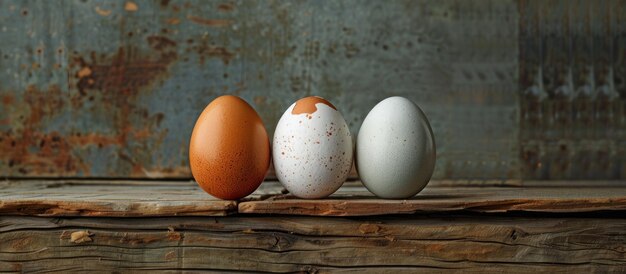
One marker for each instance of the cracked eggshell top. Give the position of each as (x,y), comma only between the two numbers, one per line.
(395,149)
(312,148)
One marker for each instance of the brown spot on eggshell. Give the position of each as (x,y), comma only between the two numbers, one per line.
(308,105)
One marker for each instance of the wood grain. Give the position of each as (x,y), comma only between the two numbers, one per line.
(539,196)
(109,198)
(444,236)
(297,243)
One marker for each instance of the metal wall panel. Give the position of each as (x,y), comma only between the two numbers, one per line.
(112,89)
(572,73)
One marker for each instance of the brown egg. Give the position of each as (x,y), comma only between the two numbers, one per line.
(229,151)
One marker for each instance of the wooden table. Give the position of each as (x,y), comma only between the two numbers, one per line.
(478,226)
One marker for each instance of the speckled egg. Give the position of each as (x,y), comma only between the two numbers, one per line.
(229,151)
(395,149)
(312,148)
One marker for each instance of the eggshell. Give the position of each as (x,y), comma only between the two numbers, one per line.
(395,149)
(312,148)
(229,151)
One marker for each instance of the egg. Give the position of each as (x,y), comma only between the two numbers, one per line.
(395,149)
(229,151)
(312,148)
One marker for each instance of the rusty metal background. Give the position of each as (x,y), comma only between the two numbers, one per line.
(112,88)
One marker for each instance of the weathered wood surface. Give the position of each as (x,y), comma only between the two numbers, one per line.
(444,236)
(109,198)
(391,244)
(184,198)
(539,196)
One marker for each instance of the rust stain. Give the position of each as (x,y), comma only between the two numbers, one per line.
(84,72)
(159,118)
(308,105)
(160,42)
(131,6)
(8,99)
(93,138)
(143,133)
(138,169)
(125,73)
(210,22)
(173,21)
(114,81)
(225,7)
(206,50)
(102,11)
(53,155)
(52,152)
(36,153)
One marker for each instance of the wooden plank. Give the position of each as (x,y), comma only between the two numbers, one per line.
(106,198)
(355,200)
(296,243)
(109,198)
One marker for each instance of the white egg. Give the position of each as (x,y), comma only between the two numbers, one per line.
(395,149)
(312,148)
